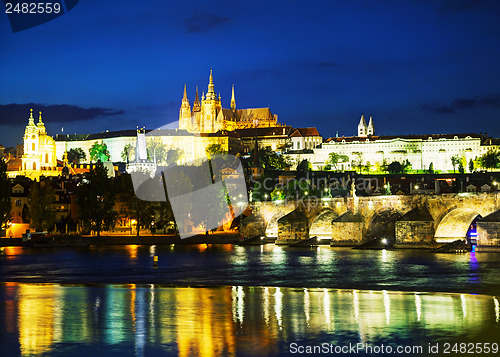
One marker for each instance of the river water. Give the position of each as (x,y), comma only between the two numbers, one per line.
(216,300)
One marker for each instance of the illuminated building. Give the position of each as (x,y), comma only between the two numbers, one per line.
(368,149)
(39,158)
(208,116)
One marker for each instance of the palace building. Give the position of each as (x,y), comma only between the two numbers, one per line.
(421,151)
(208,116)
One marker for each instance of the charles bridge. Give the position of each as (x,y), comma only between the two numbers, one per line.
(406,220)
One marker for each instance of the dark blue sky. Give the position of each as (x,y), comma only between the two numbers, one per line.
(426,66)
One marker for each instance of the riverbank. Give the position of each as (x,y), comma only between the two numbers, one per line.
(77,240)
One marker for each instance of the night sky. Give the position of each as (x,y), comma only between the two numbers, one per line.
(420,67)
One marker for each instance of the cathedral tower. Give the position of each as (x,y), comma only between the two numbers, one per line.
(370,129)
(362,127)
(210,107)
(233,101)
(185,112)
(39,150)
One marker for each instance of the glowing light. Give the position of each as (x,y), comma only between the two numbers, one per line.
(416,187)
(356,305)
(464,307)
(497,309)
(326,306)
(266,305)
(307,305)
(418,306)
(278,305)
(384,241)
(387,306)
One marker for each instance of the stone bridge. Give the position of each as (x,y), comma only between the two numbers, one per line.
(425,220)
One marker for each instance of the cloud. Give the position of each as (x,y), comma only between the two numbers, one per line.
(12,114)
(460,104)
(201,22)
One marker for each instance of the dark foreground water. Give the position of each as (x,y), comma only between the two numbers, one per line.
(247,301)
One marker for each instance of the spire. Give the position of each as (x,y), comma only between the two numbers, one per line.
(40,118)
(362,129)
(211,94)
(196,104)
(185,96)
(233,100)
(31,119)
(370,130)
(362,120)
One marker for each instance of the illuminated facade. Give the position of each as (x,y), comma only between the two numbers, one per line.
(368,149)
(208,116)
(39,158)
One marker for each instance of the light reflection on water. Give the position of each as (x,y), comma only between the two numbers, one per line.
(139,320)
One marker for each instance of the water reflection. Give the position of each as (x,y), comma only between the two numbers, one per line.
(47,319)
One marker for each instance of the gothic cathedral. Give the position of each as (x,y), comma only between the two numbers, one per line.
(208,116)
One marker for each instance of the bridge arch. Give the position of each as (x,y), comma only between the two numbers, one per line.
(272,221)
(455,224)
(321,224)
(382,224)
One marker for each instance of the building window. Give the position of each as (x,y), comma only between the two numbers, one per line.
(33,146)
(298,145)
(34,166)
(47,158)
(18,203)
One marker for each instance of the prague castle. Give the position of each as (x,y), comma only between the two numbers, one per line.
(208,116)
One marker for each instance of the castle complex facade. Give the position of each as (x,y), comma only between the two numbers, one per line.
(208,116)
(422,151)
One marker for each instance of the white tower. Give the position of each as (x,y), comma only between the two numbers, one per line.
(371,129)
(362,128)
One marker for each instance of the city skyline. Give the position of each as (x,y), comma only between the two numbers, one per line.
(417,67)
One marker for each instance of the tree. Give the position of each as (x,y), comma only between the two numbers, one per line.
(461,167)
(214,149)
(133,208)
(304,166)
(333,159)
(75,156)
(5,190)
(270,160)
(128,153)
(99,152)
(173,156)
(96,200)
(395,167)
(157,152)
(41,197)
(471,166)
(431,168)
(357,162)
(455,160)
(490,160)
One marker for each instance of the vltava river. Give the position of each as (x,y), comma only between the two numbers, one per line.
(244,301)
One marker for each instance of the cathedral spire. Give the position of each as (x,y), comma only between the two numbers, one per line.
(233,100)
(196,104)
(362,129)
(370,130)
(40,118)
(31,119)
(185,96)
(211,93)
